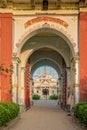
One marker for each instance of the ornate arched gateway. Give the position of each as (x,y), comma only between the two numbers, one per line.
(45,37)
(42,36)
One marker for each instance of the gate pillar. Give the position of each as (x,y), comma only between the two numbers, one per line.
(22,89)
(27,85)
(15,83)
(77,80)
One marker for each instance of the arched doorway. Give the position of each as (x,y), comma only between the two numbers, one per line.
(45,79)
(45,92)
(48,44)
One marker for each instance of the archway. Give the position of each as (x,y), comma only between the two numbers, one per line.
(45,75)
(45,92)
(48,44)
(46,62)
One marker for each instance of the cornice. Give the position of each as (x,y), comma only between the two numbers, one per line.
(39,12)
(83,10)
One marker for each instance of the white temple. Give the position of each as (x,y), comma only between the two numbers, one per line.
(45,84)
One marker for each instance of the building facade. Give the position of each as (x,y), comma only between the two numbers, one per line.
(42,32)
(45,85)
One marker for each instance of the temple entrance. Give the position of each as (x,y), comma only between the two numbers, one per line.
(45,92)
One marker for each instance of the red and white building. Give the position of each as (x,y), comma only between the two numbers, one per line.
(43,32)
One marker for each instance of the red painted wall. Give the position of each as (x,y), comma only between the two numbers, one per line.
(83,56)
(27,86)
(5,54)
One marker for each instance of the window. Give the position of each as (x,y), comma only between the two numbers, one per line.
(45,4)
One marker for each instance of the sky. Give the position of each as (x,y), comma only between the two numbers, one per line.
(49,70)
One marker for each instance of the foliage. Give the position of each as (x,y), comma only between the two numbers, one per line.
(8,111)
(54,97)
(80,111)
(7,70)
(36,97)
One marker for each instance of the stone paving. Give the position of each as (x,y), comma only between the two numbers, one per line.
(45,115)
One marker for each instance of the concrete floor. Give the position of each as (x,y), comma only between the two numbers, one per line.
(45,115)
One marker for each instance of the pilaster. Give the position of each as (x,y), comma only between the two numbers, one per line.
(76,61)
(15,86)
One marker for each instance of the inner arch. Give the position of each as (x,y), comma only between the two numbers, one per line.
(45,62)
(42,31)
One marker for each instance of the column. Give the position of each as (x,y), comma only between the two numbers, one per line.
(31,89)
(22,94)
(21,90)
(15,77)
(77,80)
(15,83)
(69,83)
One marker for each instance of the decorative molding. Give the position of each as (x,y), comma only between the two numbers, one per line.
(76,58)
(14,86)
(45,19)
(39,26)
(46,25)
(23,68)
(76,85)
(17,59)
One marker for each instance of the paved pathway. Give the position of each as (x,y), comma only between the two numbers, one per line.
(45,116)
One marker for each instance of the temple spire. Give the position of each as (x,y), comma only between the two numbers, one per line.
(45,71)
(39,73)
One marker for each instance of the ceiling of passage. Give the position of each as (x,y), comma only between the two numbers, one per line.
(45,62)
(46,54)
(48,40)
